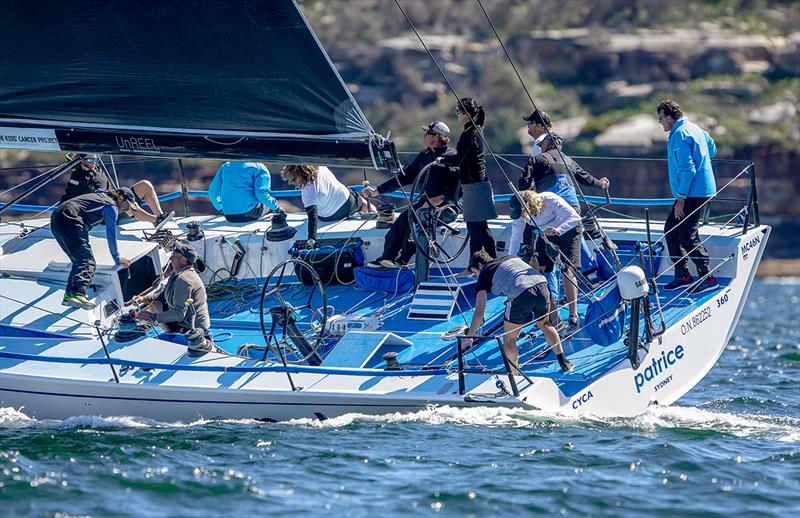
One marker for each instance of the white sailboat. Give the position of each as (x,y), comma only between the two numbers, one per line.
(286,349)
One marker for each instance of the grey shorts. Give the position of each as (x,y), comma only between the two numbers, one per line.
(533,302)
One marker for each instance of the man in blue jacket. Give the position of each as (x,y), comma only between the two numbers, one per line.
(240,190)
(691,179)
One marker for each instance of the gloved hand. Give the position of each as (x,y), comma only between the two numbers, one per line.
(551,250)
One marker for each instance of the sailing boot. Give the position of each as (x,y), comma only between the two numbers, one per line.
(77,300)
(564,362)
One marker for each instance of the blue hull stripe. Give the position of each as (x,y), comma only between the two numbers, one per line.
(233,368)
(225,402)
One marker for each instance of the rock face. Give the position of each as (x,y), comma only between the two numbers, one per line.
(635,135)
(774,113)
(587,55)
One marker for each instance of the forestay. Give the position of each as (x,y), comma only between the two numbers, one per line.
(198,78)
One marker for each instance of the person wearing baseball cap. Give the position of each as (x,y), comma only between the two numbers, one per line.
(70,224)
(169,305)
(440,188)
(539,125)
(89,175)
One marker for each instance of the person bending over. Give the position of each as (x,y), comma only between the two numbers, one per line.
(324,197)
(528,300)
(70,224)
(169,305)
(241,190)
(440,188)
(88,176)
(561,226)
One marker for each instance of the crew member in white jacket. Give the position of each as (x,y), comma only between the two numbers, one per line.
(561,225)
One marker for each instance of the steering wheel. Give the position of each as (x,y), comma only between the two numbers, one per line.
(297,313)
(446,243)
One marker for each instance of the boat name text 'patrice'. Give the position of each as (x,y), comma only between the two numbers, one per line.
(658,366)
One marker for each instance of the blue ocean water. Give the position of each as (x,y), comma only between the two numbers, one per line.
(730,446)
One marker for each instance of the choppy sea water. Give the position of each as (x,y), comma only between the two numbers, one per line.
(730,446)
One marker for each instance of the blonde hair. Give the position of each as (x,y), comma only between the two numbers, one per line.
(532,202)
(300,175)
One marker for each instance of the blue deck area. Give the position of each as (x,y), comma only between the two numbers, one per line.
(236,323)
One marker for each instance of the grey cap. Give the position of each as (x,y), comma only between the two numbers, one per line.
(186,250)
(438,127)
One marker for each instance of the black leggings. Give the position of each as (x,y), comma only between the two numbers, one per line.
(73,238)
(683,239)
(480,237)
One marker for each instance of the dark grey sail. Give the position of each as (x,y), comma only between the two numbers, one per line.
(192,78)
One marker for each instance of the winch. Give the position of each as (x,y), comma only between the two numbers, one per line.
(129,329)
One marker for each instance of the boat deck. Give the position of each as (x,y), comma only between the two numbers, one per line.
(429,346)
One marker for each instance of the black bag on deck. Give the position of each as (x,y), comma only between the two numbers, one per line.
(333,260)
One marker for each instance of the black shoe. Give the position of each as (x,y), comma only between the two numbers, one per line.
(571,328)
(608,244)
(160,219)
(704,285)
(679,282)
(566,364)
(375,264)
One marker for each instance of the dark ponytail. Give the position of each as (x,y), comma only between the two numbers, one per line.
(115,195)
(471,107)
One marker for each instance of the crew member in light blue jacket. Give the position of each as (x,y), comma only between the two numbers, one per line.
(240,190)
(691,179)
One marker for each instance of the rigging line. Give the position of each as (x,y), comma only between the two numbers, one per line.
(530,98)
(23,183)
(514,190)
(502,45)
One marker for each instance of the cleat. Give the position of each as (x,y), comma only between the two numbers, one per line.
(679,282)
(78,300)
(704,285)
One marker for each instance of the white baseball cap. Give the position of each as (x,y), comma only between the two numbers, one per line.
(438,127)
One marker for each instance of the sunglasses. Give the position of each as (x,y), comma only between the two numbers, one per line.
(90,160)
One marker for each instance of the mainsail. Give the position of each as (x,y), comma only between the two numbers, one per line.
(184,78)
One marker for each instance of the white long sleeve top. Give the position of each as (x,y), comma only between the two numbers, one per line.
(556,213)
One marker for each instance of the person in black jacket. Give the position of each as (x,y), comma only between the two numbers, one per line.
(478,197)
(440,188)
(550,170)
